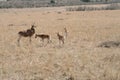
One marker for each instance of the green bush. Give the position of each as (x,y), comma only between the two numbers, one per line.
(87,8)
(85,0)
(52,1)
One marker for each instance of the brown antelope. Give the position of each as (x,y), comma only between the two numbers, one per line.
(61,38)
(28,33)
(66,32)
(43,37)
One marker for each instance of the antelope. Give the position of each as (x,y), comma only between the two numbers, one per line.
(66,32)
(61,38)
(28,33)
(43,37)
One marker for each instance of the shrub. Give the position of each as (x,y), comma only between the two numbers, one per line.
(52,1)
(86,8)
(85,0)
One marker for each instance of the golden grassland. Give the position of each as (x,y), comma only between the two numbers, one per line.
(78,59)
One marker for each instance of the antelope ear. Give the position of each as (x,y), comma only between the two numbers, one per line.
(34,24)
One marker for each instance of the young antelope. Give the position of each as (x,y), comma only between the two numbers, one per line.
(43,37)
(61,38)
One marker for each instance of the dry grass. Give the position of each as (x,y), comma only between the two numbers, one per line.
(78,59)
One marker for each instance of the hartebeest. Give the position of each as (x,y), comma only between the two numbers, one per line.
(61,38)
(66,32)
(28,33)
(43,37)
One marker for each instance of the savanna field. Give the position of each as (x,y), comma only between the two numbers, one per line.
(79,58)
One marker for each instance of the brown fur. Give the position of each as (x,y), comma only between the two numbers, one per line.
(61,38)
(43,36)
(66,32)
(28,33)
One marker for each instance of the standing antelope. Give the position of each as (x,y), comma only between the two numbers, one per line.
(61,38)
(28,33)
(66,32)
(43,37)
